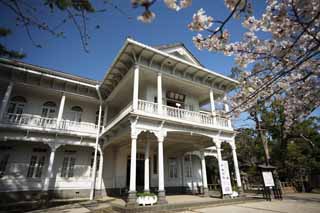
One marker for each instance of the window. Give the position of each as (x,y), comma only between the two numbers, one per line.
(92,161)
(16,105)
(155,164)
(188,169)
(36,165)
(49,109)
(68,166)
(76,113)
(3,164)
(175,99)
(173,169)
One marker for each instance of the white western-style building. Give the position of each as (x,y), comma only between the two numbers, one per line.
(146,126)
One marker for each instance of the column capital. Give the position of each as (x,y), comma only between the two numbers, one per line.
(136,65)
(217,143)
(54,146)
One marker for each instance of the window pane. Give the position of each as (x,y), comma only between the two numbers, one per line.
(32,164)
(64,167)
(3,164)
(40,166)
(71,167)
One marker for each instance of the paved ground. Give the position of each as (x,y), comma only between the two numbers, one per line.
(294,203)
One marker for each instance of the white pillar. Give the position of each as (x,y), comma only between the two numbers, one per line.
(105,116)
(236,166)
(61,107)
(5,100)
(146,167)
(204,174)
(135,87)
(159,92)
(227,109)
(213,108)
(94,170)
(99,185)
(161,191)
(132,187)
(49,174)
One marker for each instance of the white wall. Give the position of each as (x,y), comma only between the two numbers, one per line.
(15,178)
(35,100)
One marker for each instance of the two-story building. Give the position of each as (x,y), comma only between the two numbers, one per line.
(146,126)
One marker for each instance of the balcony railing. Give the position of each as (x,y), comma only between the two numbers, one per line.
(48,123)
(185,115)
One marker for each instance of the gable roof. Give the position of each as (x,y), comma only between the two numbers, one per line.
(175,47)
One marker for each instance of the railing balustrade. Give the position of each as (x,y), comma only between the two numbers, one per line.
(48,123)
(173,112)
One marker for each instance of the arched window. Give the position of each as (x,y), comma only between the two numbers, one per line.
(49,109)
(17,105)
(76,113)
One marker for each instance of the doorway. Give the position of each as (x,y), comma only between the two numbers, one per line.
(139,172)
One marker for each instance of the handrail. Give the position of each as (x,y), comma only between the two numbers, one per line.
(183,114)
(50,123)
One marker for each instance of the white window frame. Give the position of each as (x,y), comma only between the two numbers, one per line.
(173,168)
(36,165)
(48,111)
(68,166)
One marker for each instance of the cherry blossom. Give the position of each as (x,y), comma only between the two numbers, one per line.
(285,63)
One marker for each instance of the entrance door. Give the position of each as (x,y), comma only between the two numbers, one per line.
(139,172)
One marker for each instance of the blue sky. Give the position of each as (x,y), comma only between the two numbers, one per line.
(67,54)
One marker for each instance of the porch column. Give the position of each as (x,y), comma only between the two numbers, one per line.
(227,109)
(213,108)
(161,191)
(159,94)
(61,108)
(100,178)
(146,167)
(204,175)
(135,87)
(6,99)
(236,166)
(132,186)
(218,147)
(49,174)
(105,115)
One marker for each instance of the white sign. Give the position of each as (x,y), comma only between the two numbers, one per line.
(225,178)
(268,179)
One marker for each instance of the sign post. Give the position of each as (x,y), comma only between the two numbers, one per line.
(226,188)
(270,188)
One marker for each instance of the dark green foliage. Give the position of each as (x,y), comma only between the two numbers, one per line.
(295,152)
(4,52)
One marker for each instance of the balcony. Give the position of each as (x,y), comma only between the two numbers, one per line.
(43,123)
(183,115)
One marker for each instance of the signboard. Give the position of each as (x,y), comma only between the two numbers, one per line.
(268,179)
(225,178)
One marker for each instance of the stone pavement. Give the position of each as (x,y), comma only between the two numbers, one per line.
(293,203)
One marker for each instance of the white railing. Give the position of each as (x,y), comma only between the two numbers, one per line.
(182,114)
(48,123)
(147,106)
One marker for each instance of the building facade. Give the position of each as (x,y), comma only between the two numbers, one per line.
(146,126)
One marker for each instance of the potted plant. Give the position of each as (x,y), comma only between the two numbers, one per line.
(146,198)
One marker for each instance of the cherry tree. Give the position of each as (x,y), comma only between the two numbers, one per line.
(283,66)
